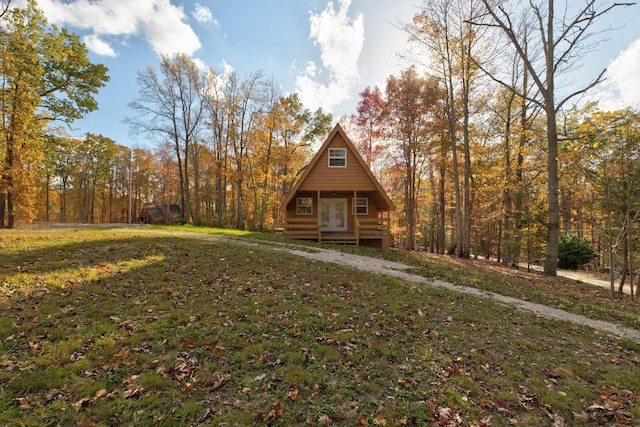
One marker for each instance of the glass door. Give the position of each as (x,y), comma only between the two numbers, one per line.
(333,214)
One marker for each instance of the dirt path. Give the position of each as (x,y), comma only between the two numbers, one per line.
(403,271)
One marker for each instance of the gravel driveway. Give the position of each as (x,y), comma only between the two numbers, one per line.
(403,271)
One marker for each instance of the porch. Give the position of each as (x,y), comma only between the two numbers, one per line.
(367,231)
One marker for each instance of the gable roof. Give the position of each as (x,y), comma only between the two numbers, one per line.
(337,130)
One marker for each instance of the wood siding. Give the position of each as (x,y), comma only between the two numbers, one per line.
(349,178)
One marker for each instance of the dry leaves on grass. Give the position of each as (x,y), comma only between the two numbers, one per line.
(133,389)
(85,401)
(444,416)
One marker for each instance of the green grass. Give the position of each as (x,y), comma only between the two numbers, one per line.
(161,327)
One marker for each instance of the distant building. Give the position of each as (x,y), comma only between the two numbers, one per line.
(157,214)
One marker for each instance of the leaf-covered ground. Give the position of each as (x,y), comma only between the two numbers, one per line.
(115,328)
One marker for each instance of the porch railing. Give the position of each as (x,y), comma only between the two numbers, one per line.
(302,228)
(373,226)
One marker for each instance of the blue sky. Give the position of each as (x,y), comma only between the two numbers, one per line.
(327,51)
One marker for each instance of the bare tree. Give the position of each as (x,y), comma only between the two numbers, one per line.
(172,109)
(562,41)
(244,100)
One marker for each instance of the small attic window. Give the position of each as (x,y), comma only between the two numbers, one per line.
(337,157)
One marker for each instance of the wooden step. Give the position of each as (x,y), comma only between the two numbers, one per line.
(340,239)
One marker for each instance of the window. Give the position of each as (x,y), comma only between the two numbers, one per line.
(337,157)
(361,205)
(304,205)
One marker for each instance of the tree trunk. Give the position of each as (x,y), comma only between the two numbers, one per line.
(456,182)
(10,213)
(612,280)
(625,263)
(46,195)
(466,89)
(239,211)
(3,207)
(409,205)
(441,238)
(553,237)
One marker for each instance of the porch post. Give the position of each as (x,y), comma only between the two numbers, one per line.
(318,222)
(354,212)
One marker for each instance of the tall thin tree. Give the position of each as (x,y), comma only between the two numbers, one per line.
(562,40)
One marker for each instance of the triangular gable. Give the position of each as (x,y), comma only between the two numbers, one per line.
(311,166)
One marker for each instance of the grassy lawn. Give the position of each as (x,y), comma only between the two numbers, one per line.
(104,327)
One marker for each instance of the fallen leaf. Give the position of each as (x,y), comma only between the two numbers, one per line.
(121,355)
(9,365)
(597,407)
(325,420)
(448,417)
(623,418)
(431,407)
(53,394)
(81,403)
(553,373)
(485,403)
(217,351)
(276,411)
(581,417)
(133,391)
(185,387)
(100,393)
(24,402)
(293,394)
(504,406)
(220,381)
(379,420)
(363,421)
(279,406)
(444,413)
(447,370)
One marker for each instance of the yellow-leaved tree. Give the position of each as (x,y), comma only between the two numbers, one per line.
(46,76)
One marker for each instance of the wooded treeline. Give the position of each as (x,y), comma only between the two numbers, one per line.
(479,150)
(228,151)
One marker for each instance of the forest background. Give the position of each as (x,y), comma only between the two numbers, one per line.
(486,154)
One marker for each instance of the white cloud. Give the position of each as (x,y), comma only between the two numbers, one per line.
(162,24)
(98,46)
(340,39)
(622,87)
(311,69)
(227,69)
(200,64)
(203,15)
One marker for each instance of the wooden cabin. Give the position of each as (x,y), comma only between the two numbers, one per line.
(157,214)
(337,199)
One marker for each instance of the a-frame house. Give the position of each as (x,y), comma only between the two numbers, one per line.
(337,199)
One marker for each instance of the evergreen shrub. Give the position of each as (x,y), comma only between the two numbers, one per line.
(574,252)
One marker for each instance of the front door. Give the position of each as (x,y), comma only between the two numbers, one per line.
(333,214)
